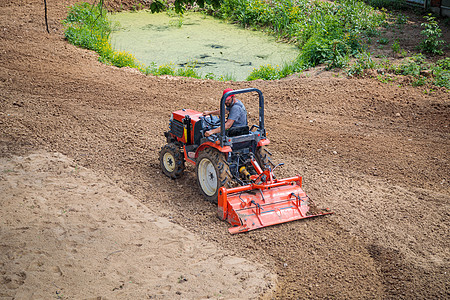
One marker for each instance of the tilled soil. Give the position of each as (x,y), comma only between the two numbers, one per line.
(376,154)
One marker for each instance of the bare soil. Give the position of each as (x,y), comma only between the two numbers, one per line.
(376,154)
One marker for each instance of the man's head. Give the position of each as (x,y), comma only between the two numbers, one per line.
(230,99)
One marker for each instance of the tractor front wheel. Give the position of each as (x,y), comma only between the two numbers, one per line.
(172,161)
(213,172)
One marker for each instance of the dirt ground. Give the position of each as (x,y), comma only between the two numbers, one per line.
(86,213)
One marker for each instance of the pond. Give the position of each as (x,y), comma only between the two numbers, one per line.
(213,46)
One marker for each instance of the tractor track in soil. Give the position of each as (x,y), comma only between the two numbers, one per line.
(375,154)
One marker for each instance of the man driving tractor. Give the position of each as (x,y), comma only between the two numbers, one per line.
(237,116)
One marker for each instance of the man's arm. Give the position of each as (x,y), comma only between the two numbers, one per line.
(211,112)
(228,124)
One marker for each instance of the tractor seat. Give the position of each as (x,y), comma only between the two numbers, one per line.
(236,131)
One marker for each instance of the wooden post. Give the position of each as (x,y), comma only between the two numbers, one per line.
(46,21)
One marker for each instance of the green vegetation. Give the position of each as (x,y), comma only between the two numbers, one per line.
(383,41)
(431,44)
(389,4)
(336,33)
(422,72)
(324,32)
(396,47)
(363,62)
(86,26)
(332,33)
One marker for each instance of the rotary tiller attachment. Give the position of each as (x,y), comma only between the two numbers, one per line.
(265,202)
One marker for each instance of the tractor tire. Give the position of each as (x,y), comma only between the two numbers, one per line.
(263,157)
(213,172)
(172,161)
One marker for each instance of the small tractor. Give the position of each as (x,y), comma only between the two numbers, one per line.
(234,169)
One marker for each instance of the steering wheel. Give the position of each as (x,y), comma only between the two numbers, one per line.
(210,122)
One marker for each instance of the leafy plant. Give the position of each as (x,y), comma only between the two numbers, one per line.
(444,63)
(372,32)
(391,4)
(412,67)
(383,41)
(210,76)
(188,71)
(363,62)
(266,72)
(385,78)
(419,81)
(431,44)
(401,19)
(396,47)
(123,59)
(86,26)
(441,77)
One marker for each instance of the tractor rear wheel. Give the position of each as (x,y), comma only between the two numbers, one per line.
(263,157)
(172,161)
(213,172)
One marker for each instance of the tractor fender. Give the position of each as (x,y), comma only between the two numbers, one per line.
(205,145)
(263,142)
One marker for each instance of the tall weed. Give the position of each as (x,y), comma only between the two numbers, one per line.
(86,26)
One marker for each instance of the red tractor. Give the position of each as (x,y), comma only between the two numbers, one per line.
(234,169)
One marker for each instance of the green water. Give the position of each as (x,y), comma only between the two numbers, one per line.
(214,46)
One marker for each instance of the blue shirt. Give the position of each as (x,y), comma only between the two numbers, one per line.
(238,113)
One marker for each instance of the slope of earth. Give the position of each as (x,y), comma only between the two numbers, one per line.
(376,154)
(73,234)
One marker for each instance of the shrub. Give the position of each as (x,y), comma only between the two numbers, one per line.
(363,62)
(412,66)
(165,70)
(86,26)
(188,72)
(401,19)
(123,59)
(266,72)
(396,47)
(431,44)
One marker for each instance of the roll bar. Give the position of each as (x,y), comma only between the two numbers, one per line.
(222,135)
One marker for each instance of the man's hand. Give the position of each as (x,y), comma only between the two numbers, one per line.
(208,133)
